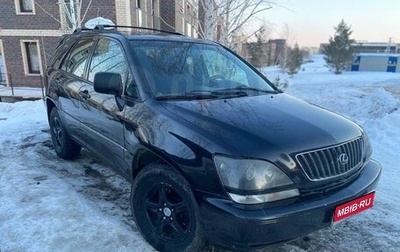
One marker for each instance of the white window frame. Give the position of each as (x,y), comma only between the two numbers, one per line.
(4,62)
(155,14)
(25,57)
(141,7)
(19,10)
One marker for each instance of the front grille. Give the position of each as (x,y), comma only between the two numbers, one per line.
(333,161)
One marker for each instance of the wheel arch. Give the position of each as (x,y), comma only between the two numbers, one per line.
(50,104)
(145,157)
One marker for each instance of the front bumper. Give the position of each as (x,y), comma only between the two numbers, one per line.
(231,225)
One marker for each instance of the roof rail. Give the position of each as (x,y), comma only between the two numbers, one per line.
(102,27)
(79,30)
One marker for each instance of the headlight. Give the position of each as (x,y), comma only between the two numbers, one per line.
(248,180)
(367,147)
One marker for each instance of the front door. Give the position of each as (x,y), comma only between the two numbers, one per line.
(69,82)
(100,115)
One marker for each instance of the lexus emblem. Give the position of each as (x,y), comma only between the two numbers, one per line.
(343,159)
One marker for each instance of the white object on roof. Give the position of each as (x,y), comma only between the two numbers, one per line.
(91,24)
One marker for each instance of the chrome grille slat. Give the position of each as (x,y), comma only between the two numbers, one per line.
(324,163)
(312,161)
(353,150)
(331,163)
(341,167)
(319,162)
(351,159)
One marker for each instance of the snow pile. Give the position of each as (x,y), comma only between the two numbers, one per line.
(381,103)
(92,23)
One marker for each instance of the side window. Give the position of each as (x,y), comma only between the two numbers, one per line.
(109,57)
(76,61)
(218,65)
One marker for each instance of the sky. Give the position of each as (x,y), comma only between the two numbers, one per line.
(311,22)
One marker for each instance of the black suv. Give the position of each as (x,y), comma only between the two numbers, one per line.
(214,151)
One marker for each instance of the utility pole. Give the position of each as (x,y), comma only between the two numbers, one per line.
(389,45)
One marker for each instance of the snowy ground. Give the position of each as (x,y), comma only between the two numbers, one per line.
(21,92)
(48,204)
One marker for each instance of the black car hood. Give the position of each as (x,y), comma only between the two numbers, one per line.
(264,126)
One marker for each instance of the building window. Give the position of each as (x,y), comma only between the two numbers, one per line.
(155,12)
(25,6)
(188,20)
(141,13)
(3,70)
(31,57)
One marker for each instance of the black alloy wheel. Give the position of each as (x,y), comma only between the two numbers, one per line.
(65,147)
(165,210)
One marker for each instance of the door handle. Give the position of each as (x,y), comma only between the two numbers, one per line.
(84,94)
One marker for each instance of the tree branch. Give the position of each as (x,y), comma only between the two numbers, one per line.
(86,11)
(58,21)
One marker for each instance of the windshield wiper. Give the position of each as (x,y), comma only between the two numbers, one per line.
(205,94)
(191,95)
(244,88)
(229,92)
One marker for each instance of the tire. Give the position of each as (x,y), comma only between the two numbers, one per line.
(165,210)
(65,147)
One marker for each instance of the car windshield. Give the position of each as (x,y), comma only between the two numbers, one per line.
(196,70)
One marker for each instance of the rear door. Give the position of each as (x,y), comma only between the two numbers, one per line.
(100,116)
(68,81)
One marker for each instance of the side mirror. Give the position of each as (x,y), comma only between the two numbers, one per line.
(108,83)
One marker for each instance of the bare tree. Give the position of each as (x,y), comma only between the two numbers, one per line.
(73,13)
(221,20)
(236,13)
(289,38)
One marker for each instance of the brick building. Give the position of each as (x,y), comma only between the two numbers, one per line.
(31,29)
(272,52)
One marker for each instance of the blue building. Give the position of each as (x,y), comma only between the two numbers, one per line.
(376,62)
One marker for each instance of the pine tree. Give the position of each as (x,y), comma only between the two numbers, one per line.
(339,52)
(257,50)
(294,60)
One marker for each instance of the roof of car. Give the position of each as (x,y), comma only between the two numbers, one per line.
(168,38)
(136,33)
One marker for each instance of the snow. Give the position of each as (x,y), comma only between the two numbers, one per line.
(49,204)
(21,92)
(92,23)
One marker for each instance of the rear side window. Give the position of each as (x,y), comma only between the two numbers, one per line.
(76,60)
(62,50)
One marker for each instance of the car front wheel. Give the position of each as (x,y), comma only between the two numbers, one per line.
(65,147)
(165,210)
